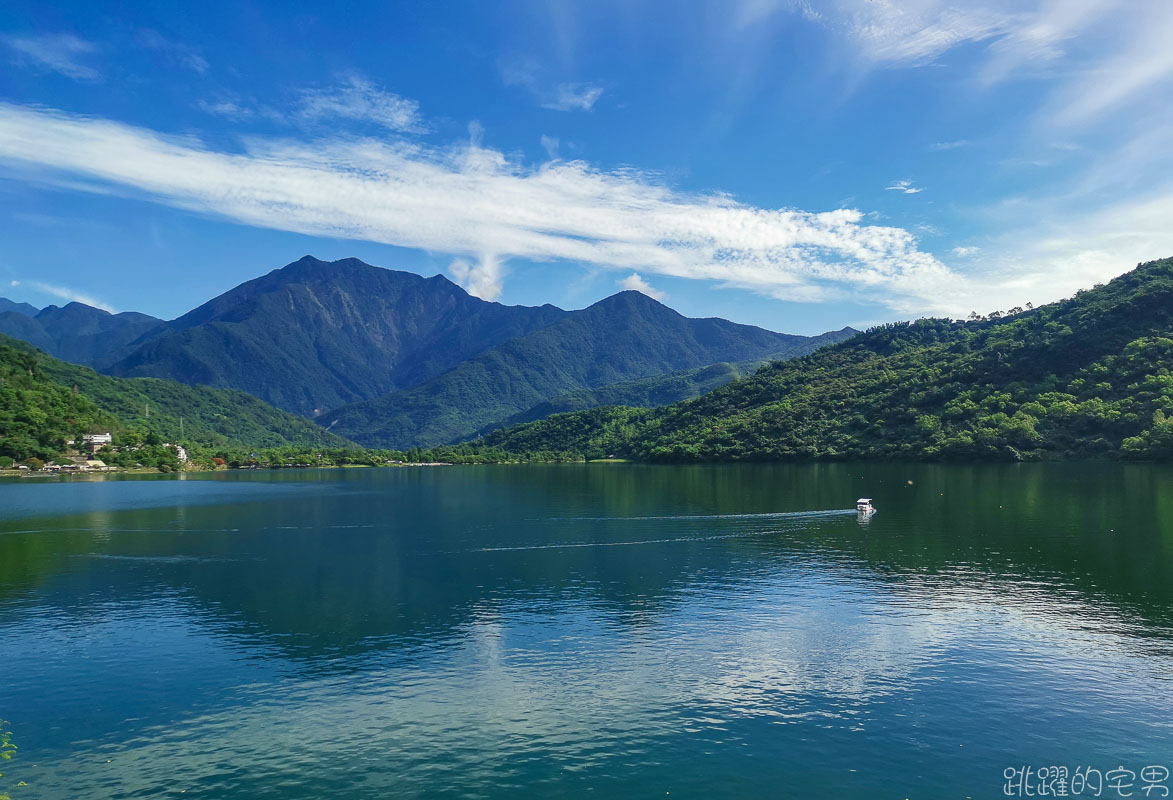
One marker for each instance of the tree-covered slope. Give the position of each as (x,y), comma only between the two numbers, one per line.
(662,390)
(1091,376)
(44,402)
(315,335)
(626,336)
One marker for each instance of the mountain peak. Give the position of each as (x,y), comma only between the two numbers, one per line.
(631,300)
(20,308)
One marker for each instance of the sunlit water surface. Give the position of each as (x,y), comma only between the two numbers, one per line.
(608,630)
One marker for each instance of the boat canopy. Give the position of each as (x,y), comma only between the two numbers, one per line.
(863,500)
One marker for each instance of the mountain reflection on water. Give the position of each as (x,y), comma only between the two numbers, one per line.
(568,628)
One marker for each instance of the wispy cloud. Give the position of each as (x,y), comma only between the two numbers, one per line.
(477,204)
(181,53)
(65,293)
(573,97)
(58,52)
(904,186)
(359,99)
(635,282)
(355,98)
(964,251)
(1096,54)
(550,94)
(550,144)
(942,146)
(232,109)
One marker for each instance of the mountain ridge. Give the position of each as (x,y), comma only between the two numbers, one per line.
(313,334)
(1087,377)
(394,357)
(622,337)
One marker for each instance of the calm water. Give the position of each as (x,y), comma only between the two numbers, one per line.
(574,630)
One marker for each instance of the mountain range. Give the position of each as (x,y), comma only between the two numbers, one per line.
(1087,377)
(393,359)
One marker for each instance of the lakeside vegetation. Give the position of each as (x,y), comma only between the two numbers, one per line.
(45,404)
(1087,377)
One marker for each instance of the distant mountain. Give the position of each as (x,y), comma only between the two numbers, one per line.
(623,337)
(316,335)
(79,333)
(1087,377)
(44,402)
(662,390)
(405,360)
(22,308)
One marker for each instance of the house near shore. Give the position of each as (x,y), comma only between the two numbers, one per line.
(96,441)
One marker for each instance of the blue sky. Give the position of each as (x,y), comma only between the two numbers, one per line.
(795,165)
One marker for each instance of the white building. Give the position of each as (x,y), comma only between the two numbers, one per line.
(96,441)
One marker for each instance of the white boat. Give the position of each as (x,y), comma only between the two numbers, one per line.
(864,506)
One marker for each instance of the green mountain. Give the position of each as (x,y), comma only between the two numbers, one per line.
(1091,376)
(662,390)
(405,360)
(79,333)
(44,402)
(316,335)
(623,337)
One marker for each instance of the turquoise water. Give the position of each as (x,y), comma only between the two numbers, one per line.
(599,630)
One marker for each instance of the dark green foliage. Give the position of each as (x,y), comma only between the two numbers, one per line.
(659,390)
(626,336)
(1086,377)
(38,415)
(45,402)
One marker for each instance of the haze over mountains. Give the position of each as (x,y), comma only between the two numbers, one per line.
(392,359)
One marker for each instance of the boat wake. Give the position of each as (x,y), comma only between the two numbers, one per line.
(836,512)
(673,540)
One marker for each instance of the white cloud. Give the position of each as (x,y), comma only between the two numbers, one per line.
(1097,54)
(181,53)
(59,52)
(559,97)
(962,252)
(550,144)
(474,202)
(232,109)
(14,283)
(941,146)
(359,99)
(904,186)
(1066,249)
(635,283)
(481,279)
(573,97)
(65,293)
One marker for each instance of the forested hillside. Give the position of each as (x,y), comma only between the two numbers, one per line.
(45,402)
(662,390)
(1086,377)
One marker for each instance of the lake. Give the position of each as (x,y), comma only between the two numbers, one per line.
(608,630)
